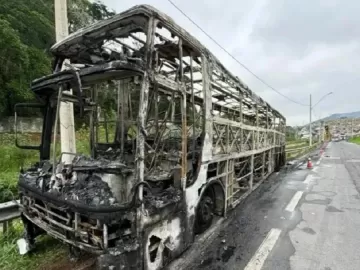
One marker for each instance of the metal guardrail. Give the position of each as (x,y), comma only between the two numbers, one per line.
(291,150)
(294,145)
(294,152)
(8,212)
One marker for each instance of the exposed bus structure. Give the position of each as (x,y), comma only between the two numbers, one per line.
(186,141)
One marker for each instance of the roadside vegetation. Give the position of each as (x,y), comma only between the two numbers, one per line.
(296,143)
(47,249)
(12,159)
(355,140)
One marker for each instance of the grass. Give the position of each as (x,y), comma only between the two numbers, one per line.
(355,140)
(47,250)
(296,143)
(12,159)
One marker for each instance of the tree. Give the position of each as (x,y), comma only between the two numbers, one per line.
(14,58)
(27,32)
(82,13)
(33,20)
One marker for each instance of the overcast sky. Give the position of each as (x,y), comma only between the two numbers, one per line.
(298,47)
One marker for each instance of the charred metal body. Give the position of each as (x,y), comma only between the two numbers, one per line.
(185,141)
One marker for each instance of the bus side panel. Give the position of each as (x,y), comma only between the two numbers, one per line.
(164,241)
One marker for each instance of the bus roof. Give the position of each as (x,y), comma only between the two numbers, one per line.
(81,36)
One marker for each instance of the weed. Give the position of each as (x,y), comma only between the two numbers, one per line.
(47,249)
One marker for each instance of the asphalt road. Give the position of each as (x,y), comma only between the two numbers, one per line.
(303,219)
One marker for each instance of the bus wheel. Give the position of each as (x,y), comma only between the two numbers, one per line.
(204,213)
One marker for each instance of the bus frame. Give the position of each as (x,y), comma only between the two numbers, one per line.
(227,142)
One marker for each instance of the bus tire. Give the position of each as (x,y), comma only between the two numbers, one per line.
(204,212)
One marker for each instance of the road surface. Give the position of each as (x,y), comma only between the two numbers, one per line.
(303,219)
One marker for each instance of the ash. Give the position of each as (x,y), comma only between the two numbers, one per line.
(162,199)
(89,189)
(84,161)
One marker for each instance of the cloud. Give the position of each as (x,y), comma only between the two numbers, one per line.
(298,47)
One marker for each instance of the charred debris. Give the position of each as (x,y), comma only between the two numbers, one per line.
(82,182)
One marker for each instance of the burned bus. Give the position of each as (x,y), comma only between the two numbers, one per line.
(175,141)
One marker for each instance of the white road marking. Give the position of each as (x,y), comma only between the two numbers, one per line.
(308,179)
(257,261)
(353,160)
(294,201)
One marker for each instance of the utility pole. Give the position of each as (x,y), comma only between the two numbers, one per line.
(67,126)
(310,131)
(311,108)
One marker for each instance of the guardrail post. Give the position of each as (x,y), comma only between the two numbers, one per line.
(8,212)
(7,226)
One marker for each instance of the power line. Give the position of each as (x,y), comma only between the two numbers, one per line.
(233,57)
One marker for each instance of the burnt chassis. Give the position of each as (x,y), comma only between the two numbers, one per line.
(92,228)
(78,224)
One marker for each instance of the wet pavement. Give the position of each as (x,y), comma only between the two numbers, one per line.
(298,219)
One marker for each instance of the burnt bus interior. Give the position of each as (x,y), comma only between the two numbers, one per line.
(143,85)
